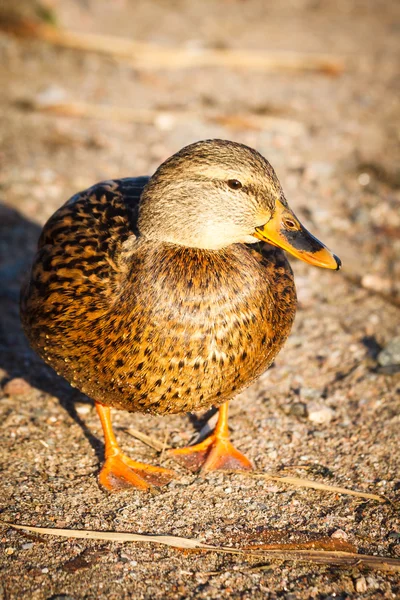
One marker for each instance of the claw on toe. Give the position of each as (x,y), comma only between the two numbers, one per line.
(121,473)
(214,453)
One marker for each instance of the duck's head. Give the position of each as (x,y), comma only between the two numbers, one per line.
(215,193)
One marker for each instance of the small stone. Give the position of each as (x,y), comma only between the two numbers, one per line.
(364,179)
(17,387)
(83,409)
(390,355)
(376,283)
(307,393)
(27,546)
(9,551)
(52,94)
(124,557)
(45,570)
(361,585)
(298,409)
(339,534)
(165,121)
(272,489)
(320,415)
(372,583)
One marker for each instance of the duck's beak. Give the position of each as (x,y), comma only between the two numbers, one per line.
(285,230)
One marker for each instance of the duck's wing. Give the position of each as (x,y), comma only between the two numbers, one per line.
(88,231)
(106,210)
(79,247)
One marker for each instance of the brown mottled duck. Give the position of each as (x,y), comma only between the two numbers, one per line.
(155,294)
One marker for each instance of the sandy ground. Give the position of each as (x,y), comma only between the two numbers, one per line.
(328,410)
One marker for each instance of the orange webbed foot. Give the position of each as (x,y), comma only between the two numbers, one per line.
(214,453)
(120,472)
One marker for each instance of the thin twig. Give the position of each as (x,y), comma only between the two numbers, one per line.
(164,119)
(346,559)
(146,439)
(165,446)
(309,483)
(143,55)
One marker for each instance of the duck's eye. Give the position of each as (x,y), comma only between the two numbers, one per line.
(234,184)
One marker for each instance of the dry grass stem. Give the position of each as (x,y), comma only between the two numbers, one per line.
(165,446)
(316,485)
(340,558)
(146,439)
(149,56)
(162,118)
(115,536)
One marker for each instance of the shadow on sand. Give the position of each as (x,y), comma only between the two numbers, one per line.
(18,240)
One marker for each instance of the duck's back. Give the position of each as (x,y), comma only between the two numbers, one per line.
(148,326)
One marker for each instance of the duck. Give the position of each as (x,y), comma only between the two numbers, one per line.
(169,294)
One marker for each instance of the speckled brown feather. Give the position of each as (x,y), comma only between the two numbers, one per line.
(149,326)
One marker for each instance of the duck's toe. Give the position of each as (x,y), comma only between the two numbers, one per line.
(120,473)
(214,453)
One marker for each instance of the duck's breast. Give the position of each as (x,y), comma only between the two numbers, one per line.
(191,328)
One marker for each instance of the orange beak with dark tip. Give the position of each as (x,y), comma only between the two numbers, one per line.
(285,231)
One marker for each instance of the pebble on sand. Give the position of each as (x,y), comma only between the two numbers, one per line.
(17,387)
(339,534)
(320,414)
(361,585)
(390,355)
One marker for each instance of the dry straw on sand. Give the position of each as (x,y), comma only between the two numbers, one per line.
(324,557)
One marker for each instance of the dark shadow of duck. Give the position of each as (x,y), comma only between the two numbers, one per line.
(18,240)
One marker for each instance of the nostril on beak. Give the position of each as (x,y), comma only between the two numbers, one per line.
(289,224)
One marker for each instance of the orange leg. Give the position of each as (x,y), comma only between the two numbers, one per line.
(215,452)
(120,472)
